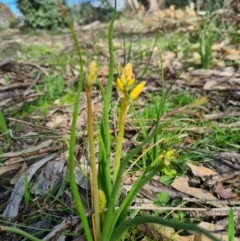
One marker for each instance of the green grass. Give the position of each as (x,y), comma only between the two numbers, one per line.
(68,98)
(170,139)
(53,208)
(197,151)
(51,90)
(36,51)
(168,42)
(222,137)
(234,35)
(231,226)
(207,35)
(53,57)
(26,190)
(3,127)
(61,61)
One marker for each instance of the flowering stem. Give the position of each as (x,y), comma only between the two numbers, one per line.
(123,110)
(73,184)
(94,180)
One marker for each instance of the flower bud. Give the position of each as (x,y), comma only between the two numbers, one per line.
(137,90)
(102,200)
(92,73)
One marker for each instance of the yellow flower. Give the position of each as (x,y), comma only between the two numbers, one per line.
(137,90)
(127,76)
(169,155)
(92,73)
(126,82)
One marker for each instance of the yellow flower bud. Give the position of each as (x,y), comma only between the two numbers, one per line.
(170,154)
(120,88)
(129,83)
(92,73)
(127,72)
(102,200)
(137,90)
(124,81)
(120,84)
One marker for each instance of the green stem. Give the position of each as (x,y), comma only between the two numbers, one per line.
(123,109)
(111,58)
(18,231)
(104,173)
(93,164)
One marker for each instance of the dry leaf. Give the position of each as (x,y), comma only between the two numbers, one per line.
(14,201)
(200,171)
(223,192)
(181,184)
(20,173)
(209,84)
(6,168)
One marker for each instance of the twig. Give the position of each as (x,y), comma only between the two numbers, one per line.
(33,83)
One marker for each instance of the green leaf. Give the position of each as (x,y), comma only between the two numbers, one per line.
(169,172)
(231,229)
(176,202)
(162,199)
(167,180)
(124,226)
(3,126)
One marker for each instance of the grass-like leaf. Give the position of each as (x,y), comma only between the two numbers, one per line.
(124,226)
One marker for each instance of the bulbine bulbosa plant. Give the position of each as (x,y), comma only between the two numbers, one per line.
(109,219)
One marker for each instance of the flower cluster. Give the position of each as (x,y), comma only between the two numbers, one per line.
(92,73)
(126,81)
